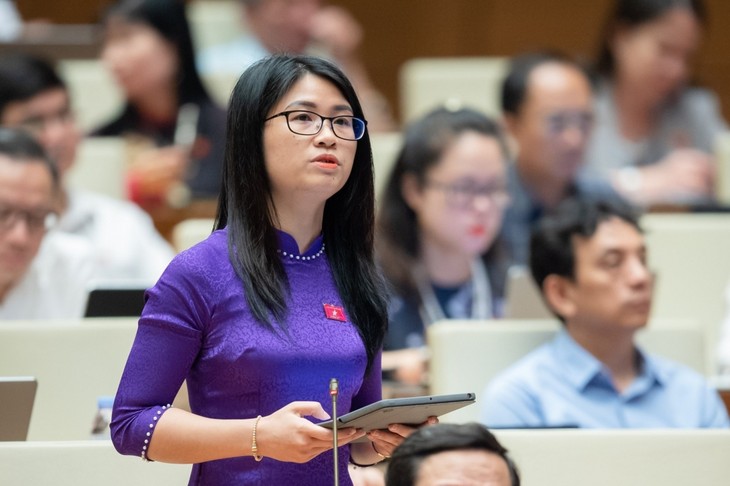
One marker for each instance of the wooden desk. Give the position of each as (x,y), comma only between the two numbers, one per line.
(56,42)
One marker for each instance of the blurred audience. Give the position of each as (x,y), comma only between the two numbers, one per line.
(177,131)
(589,259)
(299,27)
(654,133)
(451,454)
(124,241)
(440,214)
(547,103)
(42,274)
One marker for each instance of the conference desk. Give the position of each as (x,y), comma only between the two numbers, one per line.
(56,42)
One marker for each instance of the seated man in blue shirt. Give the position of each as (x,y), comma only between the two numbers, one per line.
(589,259)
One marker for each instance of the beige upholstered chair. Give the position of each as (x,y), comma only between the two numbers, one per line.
(427,83)
(100,166)
(190,232)
(689,253)
(74,362)
(81,463)
(625,457)
(95,97)
(386,147)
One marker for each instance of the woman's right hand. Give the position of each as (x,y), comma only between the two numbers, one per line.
(287,436)
(684,174)
(155,171)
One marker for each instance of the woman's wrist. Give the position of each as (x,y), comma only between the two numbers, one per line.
(254,441)
(367,455)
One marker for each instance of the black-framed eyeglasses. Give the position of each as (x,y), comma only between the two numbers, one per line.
(303,122)
(561,121)
(36,221)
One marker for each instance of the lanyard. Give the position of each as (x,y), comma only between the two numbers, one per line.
(477,290)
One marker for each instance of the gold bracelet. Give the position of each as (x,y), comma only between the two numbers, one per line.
(254,446)
(382,457)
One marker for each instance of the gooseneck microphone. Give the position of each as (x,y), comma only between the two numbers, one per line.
(334,390)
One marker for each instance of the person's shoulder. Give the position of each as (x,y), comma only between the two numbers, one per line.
(111,128)
(105,206)
(59,248)
(676,373)
(591,185)
(525,373)
(108,212)
(65,258)
(697,101)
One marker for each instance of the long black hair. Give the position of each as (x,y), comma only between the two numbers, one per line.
(425,142)
(246,208)
(632,13)
(167,18)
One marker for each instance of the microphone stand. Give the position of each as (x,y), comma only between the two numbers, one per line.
(334,390)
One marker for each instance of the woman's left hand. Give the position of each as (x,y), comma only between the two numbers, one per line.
(385,441)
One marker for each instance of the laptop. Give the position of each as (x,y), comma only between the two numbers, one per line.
(115,301)
(17,394)
(523,299)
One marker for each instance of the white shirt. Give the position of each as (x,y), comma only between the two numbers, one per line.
(55,284)
(126,246)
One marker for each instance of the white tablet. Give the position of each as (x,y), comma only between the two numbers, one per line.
(409,411)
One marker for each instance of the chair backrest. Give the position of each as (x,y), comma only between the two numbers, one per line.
(466,355)
(65,463)
(215,22)
(523,299)
(95,97)
(220,86)
(427,83)
(74,362)
(100,166)
(191,232)
(625,457)
(689,253)
(722,156)
(386,147)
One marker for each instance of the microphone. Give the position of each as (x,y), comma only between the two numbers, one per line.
(334,390)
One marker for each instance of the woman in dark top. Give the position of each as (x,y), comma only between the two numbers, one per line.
(149,51)
(441,213)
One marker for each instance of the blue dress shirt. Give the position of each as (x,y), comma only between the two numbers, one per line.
(560,384)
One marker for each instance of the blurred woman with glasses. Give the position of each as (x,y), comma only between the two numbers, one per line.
(282,297)
(441,213)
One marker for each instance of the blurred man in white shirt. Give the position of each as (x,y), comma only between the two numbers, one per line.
(42,275)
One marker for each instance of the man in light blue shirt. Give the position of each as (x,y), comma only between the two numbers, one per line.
(589,259)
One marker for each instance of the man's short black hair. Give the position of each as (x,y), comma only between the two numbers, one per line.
(23,76)
(427,441)
(515,85)
(19,146)
(552,251)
